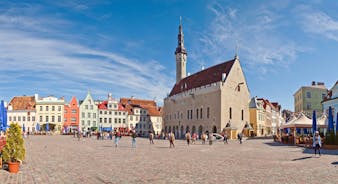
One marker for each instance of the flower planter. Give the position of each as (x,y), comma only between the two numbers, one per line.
(13,167)
(330,147)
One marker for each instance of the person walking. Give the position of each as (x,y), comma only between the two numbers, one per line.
(225,139)
(188,137)
(194,137)
(133,139)
(203,137)
(151,137)
(172,139)
(239,137)
(317,143)
(117,138)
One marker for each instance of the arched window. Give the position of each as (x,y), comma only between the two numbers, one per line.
(201,116)
(230,113)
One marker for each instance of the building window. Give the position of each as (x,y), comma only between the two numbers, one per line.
(308,94)
(65,119)
(105,112)
(23,118)
(115,120)
(105,120)
(109,120)
(120,113)
(19,118)
(137,118)
(83,115)
(100,112)
(187,114)
(40,108)
(230,113)
(242,114)
(124,121)
(59,108)
(308,106)
(33,118)
(191,114)
(47,108)
(28,118)
(110,112)
(59,118)
(196,113)
(53,108)
(100,120)
(131,118)
(94,123)
(73,119)
(323,96)
(201,113)
(91,107)
(86,106)
(88,114)
(40,118)
(88,122)
(47,118)
(10,118)
(208,112)
(73,111)
(120,120)
(94,115)
(83,122)
(53,118)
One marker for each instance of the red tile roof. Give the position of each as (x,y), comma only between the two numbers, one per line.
(104,105)
(23,103)
(202,78)
(137,101)
(149,105)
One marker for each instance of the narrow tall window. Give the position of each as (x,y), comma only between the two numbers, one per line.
(242,114)
(187,114)
(208,112)
(196,113)
(201,116)
(230,113)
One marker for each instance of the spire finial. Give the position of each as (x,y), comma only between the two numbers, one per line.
(236,51)
(181,20)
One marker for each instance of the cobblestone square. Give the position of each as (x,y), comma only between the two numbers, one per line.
(64,159)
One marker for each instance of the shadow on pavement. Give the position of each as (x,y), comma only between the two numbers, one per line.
(279,144)
(334,163)
(302,158)
(322,151)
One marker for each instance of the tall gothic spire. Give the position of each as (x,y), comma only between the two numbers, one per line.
(180,47)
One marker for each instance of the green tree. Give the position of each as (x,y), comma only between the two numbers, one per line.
(14,149)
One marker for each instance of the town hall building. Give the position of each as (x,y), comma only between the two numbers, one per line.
(214,99)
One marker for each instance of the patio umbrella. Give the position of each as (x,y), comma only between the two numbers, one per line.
(330,120)
(314,122)
(3,116)
(23,128)
(47,126)
(337,123)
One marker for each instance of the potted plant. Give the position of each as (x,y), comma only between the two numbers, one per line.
(14,150)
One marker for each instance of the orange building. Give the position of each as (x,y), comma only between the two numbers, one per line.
(71,116)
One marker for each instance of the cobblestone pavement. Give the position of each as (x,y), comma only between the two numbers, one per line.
(64,159)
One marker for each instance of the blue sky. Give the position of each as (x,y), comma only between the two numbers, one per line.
(64,48)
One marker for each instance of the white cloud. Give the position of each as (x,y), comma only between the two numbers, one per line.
(255,29)
(31,59)
(320,23)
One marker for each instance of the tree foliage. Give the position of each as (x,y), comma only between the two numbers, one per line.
(14,149)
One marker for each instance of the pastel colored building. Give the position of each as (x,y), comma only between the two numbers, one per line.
(214,99)
(50,110)
(112,115)
(88,113)
(21,110)
(71,116)
(331,100)
(143,115)
(309,98)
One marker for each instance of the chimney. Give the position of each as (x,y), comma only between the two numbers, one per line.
(110,96)
(36,97)
(313,83)
(202,68)
(188,74)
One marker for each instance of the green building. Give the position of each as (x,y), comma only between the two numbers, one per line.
(309,98)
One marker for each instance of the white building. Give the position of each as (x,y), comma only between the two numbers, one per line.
(88,113)
(21,110)
(112,115)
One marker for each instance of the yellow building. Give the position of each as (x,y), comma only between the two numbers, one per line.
(257,117)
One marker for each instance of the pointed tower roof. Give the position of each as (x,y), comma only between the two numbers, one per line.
(180,46)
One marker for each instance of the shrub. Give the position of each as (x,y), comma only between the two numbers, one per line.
(14,149)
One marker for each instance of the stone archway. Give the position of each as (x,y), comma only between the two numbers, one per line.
(182,131)
(200,130)
(193,129)
(214,129)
